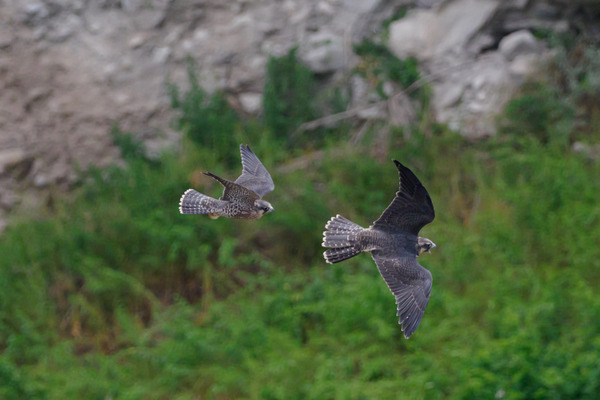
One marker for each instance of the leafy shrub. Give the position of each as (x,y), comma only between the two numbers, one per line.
(288,95)
(15,386)
(563,105)
(540,113)
(380,63)
(207,120)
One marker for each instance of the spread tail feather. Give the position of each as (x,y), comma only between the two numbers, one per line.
(340,237)
(194,202)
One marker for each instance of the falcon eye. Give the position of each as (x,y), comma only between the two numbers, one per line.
(265,209)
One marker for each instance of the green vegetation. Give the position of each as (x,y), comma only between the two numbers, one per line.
(205,120)
(398,14)
(113,294)
(379,61)
(378,65)
(289,90)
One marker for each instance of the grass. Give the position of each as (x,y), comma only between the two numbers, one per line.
(113,294)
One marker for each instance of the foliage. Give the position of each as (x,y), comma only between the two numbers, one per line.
(206,120)
(379,67)
(289,89)
(565,104)
(539,113)
(378,63)
(13,385)
(292,97)
(114,294)
(397,15)
(574,73)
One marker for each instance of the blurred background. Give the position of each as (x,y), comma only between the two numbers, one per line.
(111,109)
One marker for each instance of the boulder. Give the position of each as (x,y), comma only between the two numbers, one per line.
(519,43)
(251,102)
(12,159)
(425,34)
(323,52)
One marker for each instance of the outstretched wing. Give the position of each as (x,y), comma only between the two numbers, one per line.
(411,285)
(254,175)
(193,202)
(411,209)
(234,192)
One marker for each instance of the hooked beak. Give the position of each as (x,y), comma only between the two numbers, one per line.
(433,246)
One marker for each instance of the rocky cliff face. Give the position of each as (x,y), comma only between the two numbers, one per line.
(69,69)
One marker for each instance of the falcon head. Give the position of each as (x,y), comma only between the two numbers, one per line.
(262,207)
(424,245)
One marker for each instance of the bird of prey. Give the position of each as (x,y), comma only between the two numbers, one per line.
(394,243)
(241,199)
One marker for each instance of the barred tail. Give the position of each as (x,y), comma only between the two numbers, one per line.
(340,237)
(193,202)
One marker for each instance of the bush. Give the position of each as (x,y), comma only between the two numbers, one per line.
(207,121)
(378,62)
(289,91)
(540,113)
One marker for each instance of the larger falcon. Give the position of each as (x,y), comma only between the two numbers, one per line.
(394,243)
(241,199)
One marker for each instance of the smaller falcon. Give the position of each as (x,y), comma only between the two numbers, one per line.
(394,243)
(241,199)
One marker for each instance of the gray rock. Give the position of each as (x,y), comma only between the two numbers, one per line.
(359,89)
(8,199)
(161,54)
(323,52)
(480,42)
(137,40)
(251,102)
(6,37)
(590,151)
(471,95)
(34,12)
(425,34)
(400,109)
(248,74)
(523,66)
(448,95)
(12,158)
(65,28)
(132,5)
(320,16)
(519,43)
(518,4)
(361,6)
(471,87)
(40,180)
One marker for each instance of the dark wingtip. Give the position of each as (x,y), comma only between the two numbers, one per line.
(404,170)
(398,164)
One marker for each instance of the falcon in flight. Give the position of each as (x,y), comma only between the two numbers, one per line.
(394,243)
(241,199)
